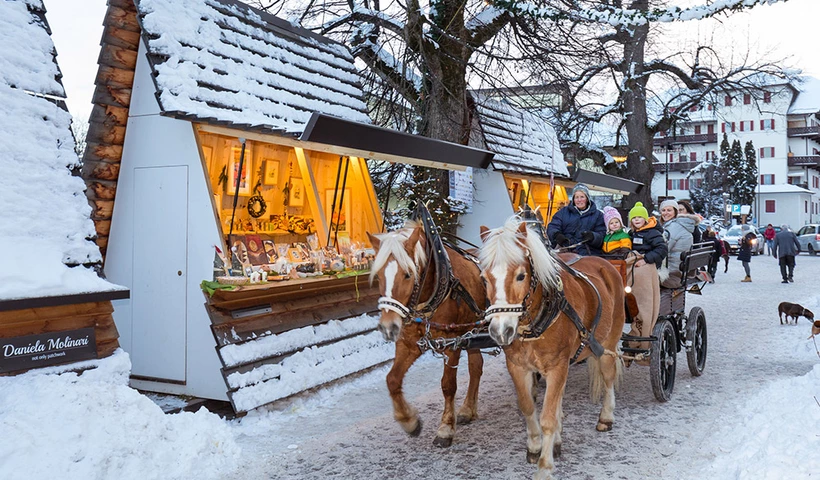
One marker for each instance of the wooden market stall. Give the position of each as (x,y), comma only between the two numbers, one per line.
(220,126)
(54,308)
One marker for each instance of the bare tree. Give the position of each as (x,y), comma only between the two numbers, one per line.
(623,79)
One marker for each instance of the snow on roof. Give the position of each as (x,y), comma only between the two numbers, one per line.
(784,188)
(27,59)
(522,141)
(808,98)
(222,60)
(44,213)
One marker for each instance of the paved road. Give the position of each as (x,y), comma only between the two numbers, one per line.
(348,432)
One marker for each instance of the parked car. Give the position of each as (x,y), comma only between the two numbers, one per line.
(735,233)
(809,238)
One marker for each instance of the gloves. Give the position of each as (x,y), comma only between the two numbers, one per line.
(587,236)
(561,240)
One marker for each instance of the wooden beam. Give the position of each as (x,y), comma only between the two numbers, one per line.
(320,147)
(121,18)
(312,194)
(102,209)
(95,152)
(109,115)
(120,37)
(114,77)
(117,57)
(105,95)
(101,171)
(105,134)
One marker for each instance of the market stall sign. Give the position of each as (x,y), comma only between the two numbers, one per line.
(35,351)
(461,189)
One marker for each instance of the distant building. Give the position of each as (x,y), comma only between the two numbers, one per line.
(783,123)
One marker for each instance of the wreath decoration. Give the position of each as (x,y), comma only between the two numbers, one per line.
(257,206)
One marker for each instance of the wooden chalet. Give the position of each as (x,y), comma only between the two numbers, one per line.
(54,308)
(215,124)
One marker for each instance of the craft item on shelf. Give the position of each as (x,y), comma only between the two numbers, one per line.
(264,275)
(313,241)
(270,250)
(232,280)
(337,265)
(220,263)
(256,277)
(256,250)
(294,274)
(306,268)
(257,206)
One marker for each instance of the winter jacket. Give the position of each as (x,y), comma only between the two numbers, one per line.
(618,239)
(769,233)
(679,237)
(785,243)
(745,252)
(649,242)
(570,222)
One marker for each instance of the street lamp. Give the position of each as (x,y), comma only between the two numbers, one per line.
(726,208)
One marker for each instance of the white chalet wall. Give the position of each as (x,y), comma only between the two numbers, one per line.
(491,205)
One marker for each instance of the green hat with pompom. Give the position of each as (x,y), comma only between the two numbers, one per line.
(638,211)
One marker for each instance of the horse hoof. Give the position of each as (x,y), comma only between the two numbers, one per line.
(442,442)
(604,426)
(464,419)
(556,450)
(532,457)
(416,431)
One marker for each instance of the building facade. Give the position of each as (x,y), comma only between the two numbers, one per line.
(783,123)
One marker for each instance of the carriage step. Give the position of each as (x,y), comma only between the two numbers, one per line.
(632,351)
(630,338)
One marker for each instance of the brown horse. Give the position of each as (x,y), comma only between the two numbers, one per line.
(523,279)
(399,264)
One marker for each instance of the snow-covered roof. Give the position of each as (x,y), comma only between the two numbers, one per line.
(808,98)
(522,141)
(783,188)
(220,61)
(44,213)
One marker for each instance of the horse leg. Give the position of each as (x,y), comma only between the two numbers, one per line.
(556,444)
(449,384)
(524,389)
(604,375)
(407,416)
(469,409)
(550,421)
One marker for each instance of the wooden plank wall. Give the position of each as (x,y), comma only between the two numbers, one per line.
(109,115)
(317,326)
(34,321)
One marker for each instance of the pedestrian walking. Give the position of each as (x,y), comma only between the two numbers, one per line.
(786,247)
(724,253)
(745,252)
(769,234)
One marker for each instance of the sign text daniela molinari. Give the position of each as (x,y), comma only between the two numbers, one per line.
(32,351)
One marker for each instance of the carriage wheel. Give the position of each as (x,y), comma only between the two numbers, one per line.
(696,334)
(663,360)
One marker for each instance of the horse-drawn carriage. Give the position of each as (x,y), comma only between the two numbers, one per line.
(674,330)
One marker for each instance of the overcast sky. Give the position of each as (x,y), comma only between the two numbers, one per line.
(783,30)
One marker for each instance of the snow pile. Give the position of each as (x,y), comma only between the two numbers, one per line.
(65,425)
(44,213)
(770,446)
(232,64)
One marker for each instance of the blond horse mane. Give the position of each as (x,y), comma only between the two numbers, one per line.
(392,243)
(503,247)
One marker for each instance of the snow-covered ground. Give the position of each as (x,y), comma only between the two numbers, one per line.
(754,414)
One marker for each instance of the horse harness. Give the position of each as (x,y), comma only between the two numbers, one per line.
(557,303)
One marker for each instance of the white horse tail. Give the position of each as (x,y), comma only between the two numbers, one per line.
(596,376)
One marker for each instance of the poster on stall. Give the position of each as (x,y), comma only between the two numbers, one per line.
(461,189)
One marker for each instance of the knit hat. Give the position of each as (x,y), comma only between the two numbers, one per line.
(638,211)
(579,188)
(609,214)
(669,203)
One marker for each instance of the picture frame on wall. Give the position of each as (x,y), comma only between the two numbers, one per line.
(297,193)
(233,169)
(341,215)
(270,174)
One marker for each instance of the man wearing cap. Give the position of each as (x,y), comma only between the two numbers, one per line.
(578,222)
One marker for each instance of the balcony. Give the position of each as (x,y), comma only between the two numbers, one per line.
(675,166)
(811,132)
(805,161)
(685,139)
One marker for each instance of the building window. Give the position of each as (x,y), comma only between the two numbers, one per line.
(710,129)
(728,127)
(747,125)
(767,124)
(767,179)
(727,101)
(767,97)
(770,206)
(747,99)
(697,129)
(678,184)
(693,156)
(766,152)
(805,206)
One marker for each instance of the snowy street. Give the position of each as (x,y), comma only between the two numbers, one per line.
(752,415)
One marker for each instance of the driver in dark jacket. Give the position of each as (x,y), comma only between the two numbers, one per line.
(579,221)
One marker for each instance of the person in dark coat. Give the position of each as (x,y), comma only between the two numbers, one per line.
(717,251)
(579,221)
(785,247)
(745,252)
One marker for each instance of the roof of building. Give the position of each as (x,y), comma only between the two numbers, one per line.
(808,98)
(45,215)
(522,141)
(221,61)
(783,188)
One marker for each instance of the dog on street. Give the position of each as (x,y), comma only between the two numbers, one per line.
(793,310)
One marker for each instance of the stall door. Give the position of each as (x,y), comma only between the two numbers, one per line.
(159,265)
